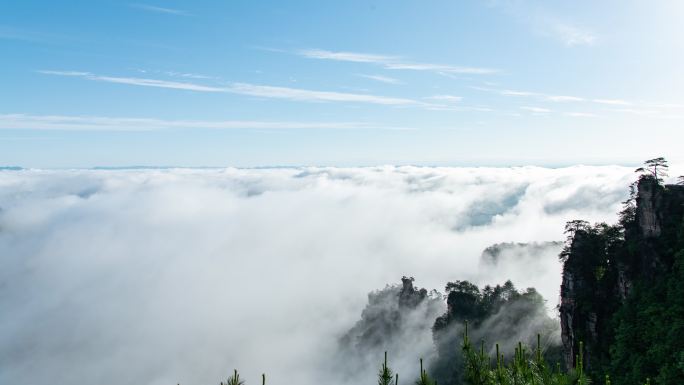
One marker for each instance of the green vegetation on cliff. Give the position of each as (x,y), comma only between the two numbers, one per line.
(623,286)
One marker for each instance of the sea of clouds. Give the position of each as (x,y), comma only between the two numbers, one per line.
(165,276)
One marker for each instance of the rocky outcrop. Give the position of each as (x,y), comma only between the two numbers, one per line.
(649,200)
(657,206)
(393,316)
(603,264)
(658,215)
(410,297)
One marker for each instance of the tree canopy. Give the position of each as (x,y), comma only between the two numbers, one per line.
(656,167)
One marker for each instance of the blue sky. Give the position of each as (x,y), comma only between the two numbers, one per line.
(257,83)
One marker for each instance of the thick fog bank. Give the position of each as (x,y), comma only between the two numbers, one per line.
(179,276)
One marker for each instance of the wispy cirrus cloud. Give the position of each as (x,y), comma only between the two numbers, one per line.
(347,56)
(157,9)
(517,93)
(100,123)
(580,114)
(393,62)
(176,74)
(637,111)
(316,96)
(564,98)
(264,91)
(537,95)
(553,98)
(537,110)
(542,96)
(446,98)
(381,78)
(145,82)
(434,103)
(459,108)
(660,110)
(612,102)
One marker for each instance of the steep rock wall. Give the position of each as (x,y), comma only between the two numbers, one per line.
(603,264)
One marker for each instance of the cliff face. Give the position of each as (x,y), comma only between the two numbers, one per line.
(649,208)
(582,310)
(603,264)
(568,323)
(658,216)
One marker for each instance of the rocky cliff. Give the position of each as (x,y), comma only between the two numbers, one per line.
(396,319)
(604,264)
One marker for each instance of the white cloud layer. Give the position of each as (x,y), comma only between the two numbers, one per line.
(179,276)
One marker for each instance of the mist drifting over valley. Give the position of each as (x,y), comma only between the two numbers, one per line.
(180,275)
